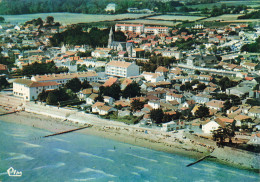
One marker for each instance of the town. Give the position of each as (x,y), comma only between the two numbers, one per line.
(200,79)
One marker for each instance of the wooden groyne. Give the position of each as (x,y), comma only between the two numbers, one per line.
(12,112)
(68,131)
(201,159)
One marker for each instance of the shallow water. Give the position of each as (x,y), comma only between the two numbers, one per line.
(78,157)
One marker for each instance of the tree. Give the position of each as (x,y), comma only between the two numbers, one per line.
(43,96)
(201,86)
(137,105)
(203,111)
(157,115)
(50,20)
(2,19)
(3,83)
(197,72)
(222,133)
(85,84)
(99,98)
(131,90)
(74,84)
(51,99)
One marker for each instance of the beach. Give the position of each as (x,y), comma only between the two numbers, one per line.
(180,143)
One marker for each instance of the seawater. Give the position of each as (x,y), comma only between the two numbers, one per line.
(77,157)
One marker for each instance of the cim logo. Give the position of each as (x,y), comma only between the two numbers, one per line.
(12,172)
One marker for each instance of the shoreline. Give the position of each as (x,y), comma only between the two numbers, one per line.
(137,138)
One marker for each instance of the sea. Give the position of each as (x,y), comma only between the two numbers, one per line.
(77,157)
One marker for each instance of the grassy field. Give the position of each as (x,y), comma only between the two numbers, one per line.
(151,22)
(69,18)
(225,17)
(176,17)
(228,3)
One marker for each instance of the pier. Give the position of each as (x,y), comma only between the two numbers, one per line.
(201,159)
(12,112)
(68,131)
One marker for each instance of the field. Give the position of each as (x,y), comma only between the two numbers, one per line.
(226,17)
(176,17)
(69,18)
(151,22)
(228,3)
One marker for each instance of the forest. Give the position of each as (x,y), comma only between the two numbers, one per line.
(76,36)
(82,6)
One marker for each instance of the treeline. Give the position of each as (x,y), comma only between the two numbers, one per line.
(82,6)
(254,47)
(252,15)
(76,36)
(41,69)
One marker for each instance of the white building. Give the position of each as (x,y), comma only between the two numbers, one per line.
(156,30)
(136,28)
(153,77)
(211,126)
(172,96)
(122,69)
(111,7)
(63,78)
(29,90)
(171,126)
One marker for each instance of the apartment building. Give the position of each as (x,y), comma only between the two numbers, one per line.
(135,28)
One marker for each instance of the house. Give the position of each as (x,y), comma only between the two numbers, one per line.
(91,99)
(205,79)
(135,28)
(172,96)
(156,30)
(84,94)
(162,70)
(104,110)
(215,104)
(110,81)
(137,52)
(29,90)
(63,78)
(254,139)
(111,7)
(95,107)
(109,100)
(3,69)
(250,66)
(122,69)
(173,125)
(152,77)
(254,112)
(240,118)
(189,104)
(155,104)
(211,126)
(125,83)
(202,98)
(168,53)
(238,91)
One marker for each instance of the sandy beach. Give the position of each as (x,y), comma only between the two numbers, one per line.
(180,143)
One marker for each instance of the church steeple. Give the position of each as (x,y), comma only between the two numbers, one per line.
(110,39)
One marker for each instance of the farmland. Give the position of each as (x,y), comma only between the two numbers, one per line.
(151,22)
(176,17)
(228,3)
(70,18)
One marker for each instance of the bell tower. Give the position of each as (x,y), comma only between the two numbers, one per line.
(110,39)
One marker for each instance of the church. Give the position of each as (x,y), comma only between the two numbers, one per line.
(119,46)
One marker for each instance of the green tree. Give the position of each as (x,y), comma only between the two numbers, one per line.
(137,105)
(131,90)
(85,84)
(202,112)
(51,99)
(2,19)
(3,83)
(42,96)
(157,115)
(50,20)
(74,84)
(197,72)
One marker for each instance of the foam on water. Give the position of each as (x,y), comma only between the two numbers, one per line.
(140,157)
(30,145)
(135,173)
(18,156)
(62,151)
(96,156)
(168,163)
(86,179)
(59,164)
(141,168)
(86,170)
(61,140)
(111,150)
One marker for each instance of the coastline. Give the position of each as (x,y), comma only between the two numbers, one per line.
(129,135)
